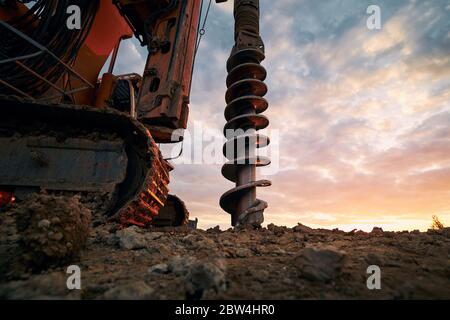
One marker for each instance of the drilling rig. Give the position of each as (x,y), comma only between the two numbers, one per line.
(65,128)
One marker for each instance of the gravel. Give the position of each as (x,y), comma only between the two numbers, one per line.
(269,263)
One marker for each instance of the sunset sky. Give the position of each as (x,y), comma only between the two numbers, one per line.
(363,115)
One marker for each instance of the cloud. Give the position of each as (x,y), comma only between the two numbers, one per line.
(131,58)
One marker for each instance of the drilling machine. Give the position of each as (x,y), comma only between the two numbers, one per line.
(66,130)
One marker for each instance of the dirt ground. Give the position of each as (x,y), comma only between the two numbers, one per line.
(270,263)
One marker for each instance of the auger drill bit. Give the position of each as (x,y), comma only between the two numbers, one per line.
(245,103)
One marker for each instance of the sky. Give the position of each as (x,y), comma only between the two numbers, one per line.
(362,116)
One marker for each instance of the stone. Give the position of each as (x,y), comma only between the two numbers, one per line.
(43,224)
(302,228)
(161,268)
(204,276)
(199,276)
(158,247)
(277,251)
(180,265)
(322,265)
(277,230)
(243,253)
(261,275)
(216,229)
(337,231)
(111,240)
(131,239)
(377,230)
(133,291)
(199,241)
(58,236)
(150,236)
(56,220)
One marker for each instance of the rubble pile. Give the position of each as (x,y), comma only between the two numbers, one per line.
(47,230)
(270,263)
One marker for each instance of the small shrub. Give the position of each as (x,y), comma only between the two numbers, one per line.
(437,225)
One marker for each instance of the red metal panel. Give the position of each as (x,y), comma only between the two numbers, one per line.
(164,96)
(109,26)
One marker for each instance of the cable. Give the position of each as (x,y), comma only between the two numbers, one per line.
(201,33)
(179,154)
(202,30)
(44,22)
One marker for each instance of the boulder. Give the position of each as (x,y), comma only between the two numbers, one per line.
(131,239)
(302,228)
(202,277)
(159,268)
(199,276)
(320,264)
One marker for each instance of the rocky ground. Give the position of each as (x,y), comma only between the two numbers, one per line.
(270,263)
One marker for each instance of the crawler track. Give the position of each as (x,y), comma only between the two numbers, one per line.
(117,166)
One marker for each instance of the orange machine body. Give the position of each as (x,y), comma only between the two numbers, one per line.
(56,79)
(164,97)
(108,29)
(172,36)
(168,28)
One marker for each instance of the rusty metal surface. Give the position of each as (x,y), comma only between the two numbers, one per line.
(143,190)
(164,96)
(173,214)
(245,103)
(74,164)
